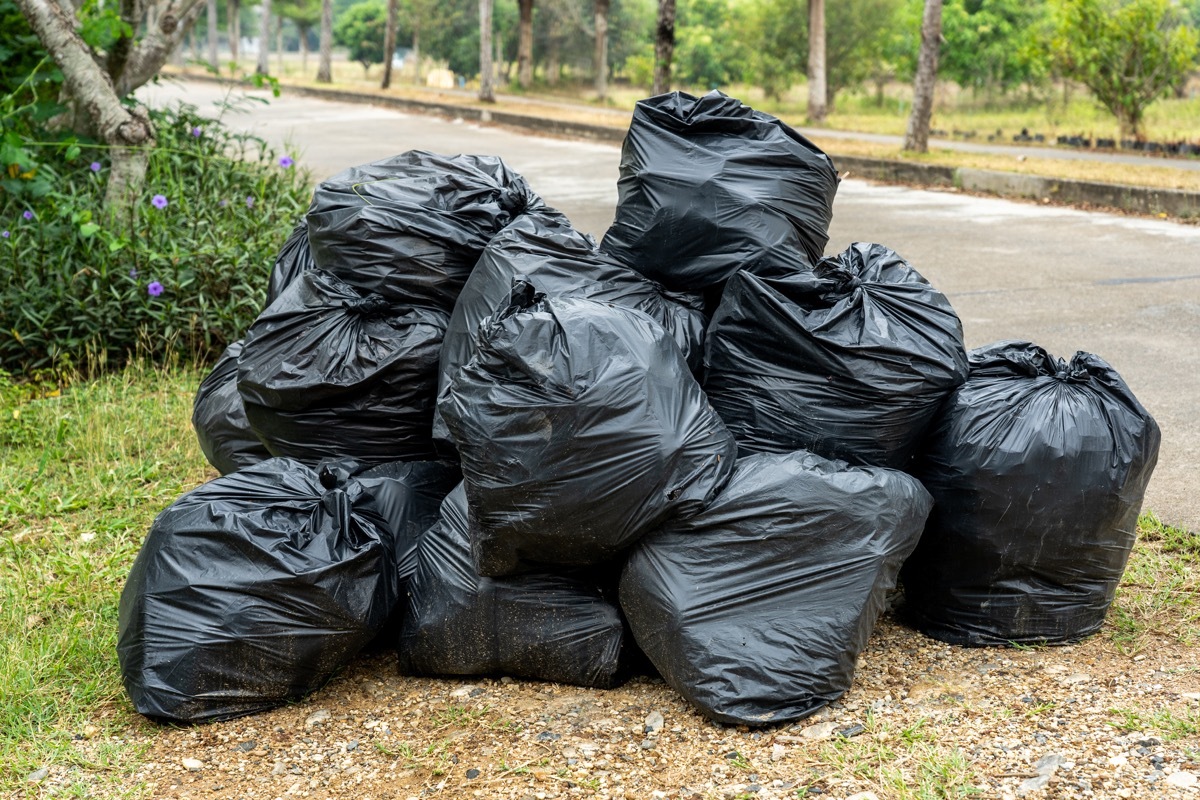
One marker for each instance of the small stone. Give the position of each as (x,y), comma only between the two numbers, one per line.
(351,745)
(507,680)
(472,774)
(1183,779)
(851,730)
(822,730)
(463,692)
(1048,764)
(654,722)
(1078,677)
(547,736)
(38,775)
(1191,695)
(862,796)
(647,744)
(317,717)
(1118,761)
(778,751)
(278,769)
(192,764)
(1034,784)
(90,731)
(245,747)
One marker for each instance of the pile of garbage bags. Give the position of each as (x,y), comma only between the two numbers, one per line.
(463,430)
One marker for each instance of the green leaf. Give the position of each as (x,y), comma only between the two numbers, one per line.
(88,229)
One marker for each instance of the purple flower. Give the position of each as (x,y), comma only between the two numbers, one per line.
(223,203)
(197,131)
(6,234)
(158,201)
(133,272)
(28,215)
(249,202)
(286,162)
(95,166)
(154,288)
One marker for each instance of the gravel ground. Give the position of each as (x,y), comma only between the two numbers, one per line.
(923,719)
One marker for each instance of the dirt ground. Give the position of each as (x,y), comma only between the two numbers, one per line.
(923,719)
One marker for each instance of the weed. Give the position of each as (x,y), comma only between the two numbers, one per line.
(1165,723)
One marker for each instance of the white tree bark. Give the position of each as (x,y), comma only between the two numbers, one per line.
(600,54)
(325,62)
(817,93)
(264,40)
(487,77)
(211,12)
(146,58)
(916,137)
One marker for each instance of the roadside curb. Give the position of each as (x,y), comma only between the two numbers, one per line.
(1060,191)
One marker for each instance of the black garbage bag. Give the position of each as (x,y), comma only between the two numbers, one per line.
(294,259)
(1038,468)
(579,428)
(411,227)
(560,261)
(220,420)
(329,373)
(250,591)
(548,627)
(756,609)
(850,361)
(709,186)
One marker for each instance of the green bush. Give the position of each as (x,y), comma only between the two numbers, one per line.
(184,274)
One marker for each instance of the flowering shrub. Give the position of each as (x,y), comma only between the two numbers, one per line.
(186,271)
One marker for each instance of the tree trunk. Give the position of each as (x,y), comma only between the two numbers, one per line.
(553,61)
(264,40)
(279,44)
(304,31)
(664,46)
(525,44)
(234,10)
(126,130)
(916,138)
(817,91)
(211,15)
(487,90)
(416,50)
(600,58)
(325,62)
(389,42)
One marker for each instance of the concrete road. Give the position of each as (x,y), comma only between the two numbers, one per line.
(1127,289)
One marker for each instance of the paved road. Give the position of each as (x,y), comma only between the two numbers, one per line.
(1125,288)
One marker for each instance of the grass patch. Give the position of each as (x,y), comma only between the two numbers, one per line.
(85,471)
(1165,724)
(904,764)
(1159,592)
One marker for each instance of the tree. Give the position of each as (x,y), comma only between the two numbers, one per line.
(916,137)
(1128,53)
(816,61)
(664,46)
(99,72)
(993,45)
(600,59)
(487,90)
(325,45)
(305,15)
(525,44)
(234,13)
(264,40)
(389,42)
(361,31)
(210,14)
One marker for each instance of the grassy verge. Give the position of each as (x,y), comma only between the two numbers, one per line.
(85,470)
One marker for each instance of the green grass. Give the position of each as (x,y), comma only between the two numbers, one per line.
(1164,723)
(1160,591)
(84,472)
(905,764)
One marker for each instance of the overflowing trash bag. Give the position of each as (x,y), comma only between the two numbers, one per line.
(709,186)
(560,261)
(1038,467)
(220,420)
(850,361)
(294,259)
(756,609)
(411,227)
(579,428)
(559,628)
(326,373)
(250,591)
